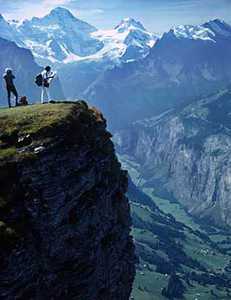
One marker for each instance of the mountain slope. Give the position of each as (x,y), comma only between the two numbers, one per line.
(186,63)
(187,154)
(8,32)
(127,42)
(65,234)
(179,258)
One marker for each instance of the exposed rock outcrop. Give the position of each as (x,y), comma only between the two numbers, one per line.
(188,154)
(64,216)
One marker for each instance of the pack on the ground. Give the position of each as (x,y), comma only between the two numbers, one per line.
(23,101)
(39,79)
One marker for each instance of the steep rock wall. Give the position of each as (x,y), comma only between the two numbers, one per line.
(187,153)
(64,215)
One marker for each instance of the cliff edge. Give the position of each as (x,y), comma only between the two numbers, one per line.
(64,217)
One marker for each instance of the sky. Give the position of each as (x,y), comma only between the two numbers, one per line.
(157,15)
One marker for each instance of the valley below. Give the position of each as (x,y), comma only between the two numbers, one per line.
(179,257)
(179,166)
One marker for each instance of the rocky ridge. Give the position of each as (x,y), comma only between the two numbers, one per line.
(187,153)
(185,64)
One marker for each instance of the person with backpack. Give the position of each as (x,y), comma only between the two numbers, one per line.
(10,87)
(44,80)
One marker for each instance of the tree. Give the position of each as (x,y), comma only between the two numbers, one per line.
(175,288)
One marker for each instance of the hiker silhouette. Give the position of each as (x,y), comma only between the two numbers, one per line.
(10,87)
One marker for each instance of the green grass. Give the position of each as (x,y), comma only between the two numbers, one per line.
(142,212)
(172,208)
(203,293)
(208,257)
(143,235)
(148,284)
(7,153)
(34,122)
(194,247)
(31,119)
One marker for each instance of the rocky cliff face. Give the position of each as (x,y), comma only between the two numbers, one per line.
(187,154)
(64,216)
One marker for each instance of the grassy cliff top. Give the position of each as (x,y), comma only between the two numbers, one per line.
(25,124)
(32,118)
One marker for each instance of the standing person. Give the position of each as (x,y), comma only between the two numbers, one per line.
(10,87)
(47,76)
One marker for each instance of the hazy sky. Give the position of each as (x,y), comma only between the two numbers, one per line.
(156,15)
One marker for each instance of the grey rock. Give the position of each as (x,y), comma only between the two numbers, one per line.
(71,217)
(188,154)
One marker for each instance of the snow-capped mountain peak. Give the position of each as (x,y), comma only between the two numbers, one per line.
(219,27)
(64,16)
(64,19)
(60,37)
(128,23)
(61,12)
(193,32)
(58,14)
(209,31)
(127,41)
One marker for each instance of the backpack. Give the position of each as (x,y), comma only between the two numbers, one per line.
(39,80)
(23,101)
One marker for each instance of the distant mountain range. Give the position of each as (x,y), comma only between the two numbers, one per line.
(185,64)
(79,51)
(128,69)
(61,38)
